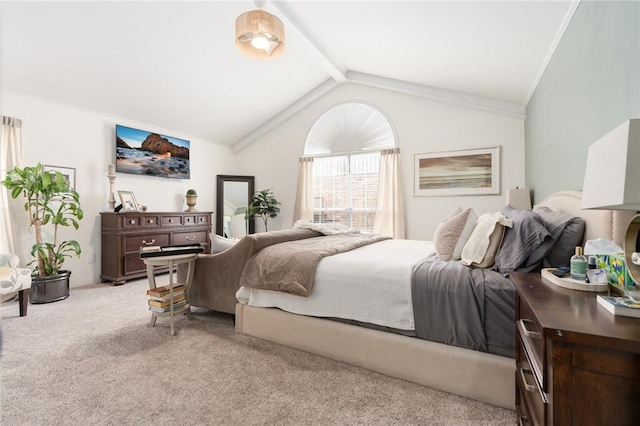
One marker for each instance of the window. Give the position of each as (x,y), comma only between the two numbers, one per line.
(345,189)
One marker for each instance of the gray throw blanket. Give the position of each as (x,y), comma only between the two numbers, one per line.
(291,266)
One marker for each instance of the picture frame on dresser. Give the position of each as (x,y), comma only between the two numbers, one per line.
(128,200)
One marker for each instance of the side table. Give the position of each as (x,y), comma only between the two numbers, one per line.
(171,262)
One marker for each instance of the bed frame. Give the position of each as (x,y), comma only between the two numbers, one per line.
(477,375)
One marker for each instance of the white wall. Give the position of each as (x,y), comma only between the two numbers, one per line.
(62,135)
(421,125)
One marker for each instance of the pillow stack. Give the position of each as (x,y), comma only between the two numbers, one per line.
(509,240)
(220,244)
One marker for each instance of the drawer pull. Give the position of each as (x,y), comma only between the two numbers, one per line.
(527,386)
(523,420)
(148,243)
(132,221)
(191,238)
(527,332)
(150,221)
(171,220)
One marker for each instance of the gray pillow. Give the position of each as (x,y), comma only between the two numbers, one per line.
(525,245)
(566,230)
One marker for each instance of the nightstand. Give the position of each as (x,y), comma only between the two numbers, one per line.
(577,364)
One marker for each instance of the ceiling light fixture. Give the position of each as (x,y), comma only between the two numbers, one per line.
(259,34)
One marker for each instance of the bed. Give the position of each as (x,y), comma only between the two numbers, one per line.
(388,345)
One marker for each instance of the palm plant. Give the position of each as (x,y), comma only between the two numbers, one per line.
(50,201)
(263,204)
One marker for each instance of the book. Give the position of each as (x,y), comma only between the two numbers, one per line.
(167,308)
(159,304)
(622,306)
(164,290)
(167,296)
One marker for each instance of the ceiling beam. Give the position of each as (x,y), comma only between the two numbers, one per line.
(445,95)
(310,42)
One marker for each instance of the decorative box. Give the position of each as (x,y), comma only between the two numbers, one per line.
(616,269)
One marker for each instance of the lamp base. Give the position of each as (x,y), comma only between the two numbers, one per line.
(631,246)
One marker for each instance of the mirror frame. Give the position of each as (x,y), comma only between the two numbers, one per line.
(220,180)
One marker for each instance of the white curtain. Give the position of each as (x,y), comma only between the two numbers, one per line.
(10,157)
(389,218)
(304,196)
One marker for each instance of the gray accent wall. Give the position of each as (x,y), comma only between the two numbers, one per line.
(591,85)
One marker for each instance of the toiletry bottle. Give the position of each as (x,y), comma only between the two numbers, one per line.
(592,265)
(578,265)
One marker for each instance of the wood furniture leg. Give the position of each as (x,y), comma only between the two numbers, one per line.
(23,299)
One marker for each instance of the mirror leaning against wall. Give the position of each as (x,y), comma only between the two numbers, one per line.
(234,194)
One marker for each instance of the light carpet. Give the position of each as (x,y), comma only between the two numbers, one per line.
(91,359)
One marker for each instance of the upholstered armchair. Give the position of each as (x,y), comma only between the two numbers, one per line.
(15,279)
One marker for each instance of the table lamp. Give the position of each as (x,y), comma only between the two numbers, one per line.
(612,182)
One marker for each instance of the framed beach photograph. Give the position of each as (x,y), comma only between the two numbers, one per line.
(474,171)
(68,172)
(128,201)
(141,152)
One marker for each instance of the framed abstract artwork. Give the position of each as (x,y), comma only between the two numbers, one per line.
(69,174)
(474,171)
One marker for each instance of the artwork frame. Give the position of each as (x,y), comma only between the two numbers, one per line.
(69,172)
(128,200)
(148,153)
(465,171)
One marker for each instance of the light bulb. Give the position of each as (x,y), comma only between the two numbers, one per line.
(259,42)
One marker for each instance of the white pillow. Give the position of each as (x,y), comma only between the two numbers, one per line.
(484,242)
(219,243)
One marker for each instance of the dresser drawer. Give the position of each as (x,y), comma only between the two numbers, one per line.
(190,237)
(189,220)
(134,242)
(171,220)
(529,393)
(522,411)
(150,221)
(133,264)
(129,222)
(531,333)
(202,219)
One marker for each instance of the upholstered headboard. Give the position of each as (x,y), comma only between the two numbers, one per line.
(610,224)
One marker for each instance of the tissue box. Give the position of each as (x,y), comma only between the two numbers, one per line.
(616,269)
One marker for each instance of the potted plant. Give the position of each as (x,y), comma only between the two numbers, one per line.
(191,200)
(263,204)
(50,203)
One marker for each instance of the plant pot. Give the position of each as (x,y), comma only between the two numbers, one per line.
(49,289)
(191,202)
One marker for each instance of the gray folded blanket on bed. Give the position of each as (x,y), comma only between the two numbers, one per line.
(291,266)
(462,306)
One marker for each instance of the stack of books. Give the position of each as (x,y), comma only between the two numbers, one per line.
(160,300)
(622,306)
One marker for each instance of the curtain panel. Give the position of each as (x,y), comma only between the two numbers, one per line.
(10,157)
(389,218)
(303,209)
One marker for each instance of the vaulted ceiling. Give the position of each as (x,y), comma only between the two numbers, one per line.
(174,64)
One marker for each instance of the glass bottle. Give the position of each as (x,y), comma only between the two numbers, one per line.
(578,265)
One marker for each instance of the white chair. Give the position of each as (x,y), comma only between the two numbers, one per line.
(15,279)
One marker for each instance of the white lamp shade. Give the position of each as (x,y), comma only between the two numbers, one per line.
(519,198)
(612,176)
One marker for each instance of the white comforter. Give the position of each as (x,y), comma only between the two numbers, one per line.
(370,284)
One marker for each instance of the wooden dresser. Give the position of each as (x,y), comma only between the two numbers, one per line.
(124,233)
(577,364)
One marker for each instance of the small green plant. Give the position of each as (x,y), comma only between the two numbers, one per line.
(192,192)
(50,201)
(263,204)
